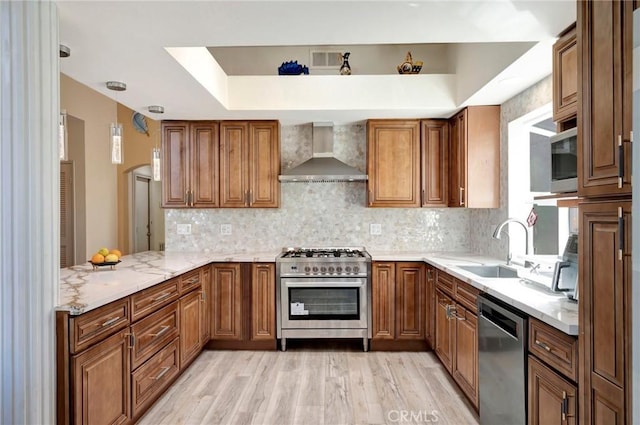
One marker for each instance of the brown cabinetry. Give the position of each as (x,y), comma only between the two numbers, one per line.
(190,164)
(474,158)
(605,309)
(393,163)
(552,399)
(205,323)
(435,163)
(605,33)
(243,306)
(430,306)
(456,332)
(565,76)
(115,361)
(398,305)
(249,164)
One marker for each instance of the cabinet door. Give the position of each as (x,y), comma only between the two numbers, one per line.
(457,156)
(430,307)
(382,298)
(190,329)
(204,151)
(263,302)
(604,66)
(393,163)
(101,382)
(175,167)
(234,164)
(552,399)
(410,283)
(465,365)
(205,323)
(480,156)
(264,164)
(604,308)
(227,302)
(435,163)
(565,76)
(445,333)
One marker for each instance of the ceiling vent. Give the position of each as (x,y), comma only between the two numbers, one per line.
(325,60)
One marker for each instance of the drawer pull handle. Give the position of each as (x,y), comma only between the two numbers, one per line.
(191,280)
(161,297)
(543,345)
(163,329)
(132,339)
(110,321)
(162,373)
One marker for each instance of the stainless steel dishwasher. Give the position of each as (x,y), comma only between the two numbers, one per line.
(502,352)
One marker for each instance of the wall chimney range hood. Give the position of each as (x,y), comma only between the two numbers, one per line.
(323,166)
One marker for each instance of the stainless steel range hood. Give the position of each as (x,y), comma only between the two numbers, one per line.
(323,166)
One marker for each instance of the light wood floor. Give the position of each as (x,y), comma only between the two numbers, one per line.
(313,385)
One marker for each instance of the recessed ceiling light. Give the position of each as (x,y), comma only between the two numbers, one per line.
(156,109)
(65,51)
(116,85)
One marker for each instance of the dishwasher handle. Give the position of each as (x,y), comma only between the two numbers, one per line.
(501,318)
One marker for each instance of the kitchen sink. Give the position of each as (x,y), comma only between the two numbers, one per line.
(496,271)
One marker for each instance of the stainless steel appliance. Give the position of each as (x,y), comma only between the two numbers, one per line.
(564,161)
(323,293)
(565,272)
(502,363)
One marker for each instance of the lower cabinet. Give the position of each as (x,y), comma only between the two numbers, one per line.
(430,307)
(101,381)
(552,399)
(191,306)
(243,306)
(456,332)
(398,306)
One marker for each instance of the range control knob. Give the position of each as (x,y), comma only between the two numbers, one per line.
(323,269)
(356,269)
(339,269)
(315,269)
(348,269)
(307,269)
(331,269)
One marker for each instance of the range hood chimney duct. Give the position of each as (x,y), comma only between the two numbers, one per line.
(323,166)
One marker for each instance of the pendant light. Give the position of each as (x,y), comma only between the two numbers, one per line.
(115,135)
(155,152)
(63,144)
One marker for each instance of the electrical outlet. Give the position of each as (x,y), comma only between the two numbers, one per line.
(225,229)
(375,228)
(184,229)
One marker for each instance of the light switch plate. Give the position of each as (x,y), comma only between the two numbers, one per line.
(225,229)
(375,228)
(184,229)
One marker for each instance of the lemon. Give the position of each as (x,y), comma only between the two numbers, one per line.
(103,251)
(111,258)
(116,252)
(97,258)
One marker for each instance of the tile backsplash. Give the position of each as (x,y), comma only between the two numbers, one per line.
(320,214)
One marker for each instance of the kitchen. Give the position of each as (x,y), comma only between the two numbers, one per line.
(478,234)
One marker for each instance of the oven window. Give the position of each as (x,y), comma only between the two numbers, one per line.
(324,303)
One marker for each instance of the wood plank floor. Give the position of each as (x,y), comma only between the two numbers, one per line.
(313,384)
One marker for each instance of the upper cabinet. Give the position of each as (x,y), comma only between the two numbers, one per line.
(190,164)
(232,164)
(407,163)
(249,164)
(605,35)
(474,158)
(393,163)
(565,76)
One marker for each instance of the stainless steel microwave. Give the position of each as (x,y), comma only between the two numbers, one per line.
(564,161)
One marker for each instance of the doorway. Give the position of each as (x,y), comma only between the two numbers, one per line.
(146,218)
(67,216)
(141,216)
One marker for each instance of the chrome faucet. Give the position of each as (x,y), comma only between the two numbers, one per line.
(498,233)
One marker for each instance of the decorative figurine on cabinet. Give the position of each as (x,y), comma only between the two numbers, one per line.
(345,69)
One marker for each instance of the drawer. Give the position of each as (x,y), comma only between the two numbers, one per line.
(94,326)
(154,332)
(151,299)
(150,380)
(190,281)
(557,349)
(467,295)
(445,283)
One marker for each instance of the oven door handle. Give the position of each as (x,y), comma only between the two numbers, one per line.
(320,284)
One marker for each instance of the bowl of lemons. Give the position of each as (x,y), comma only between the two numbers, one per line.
(105,257)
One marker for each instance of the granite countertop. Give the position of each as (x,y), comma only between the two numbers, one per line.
(553,309)
(82,288)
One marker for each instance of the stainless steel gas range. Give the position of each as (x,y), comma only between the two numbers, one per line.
(323,293)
